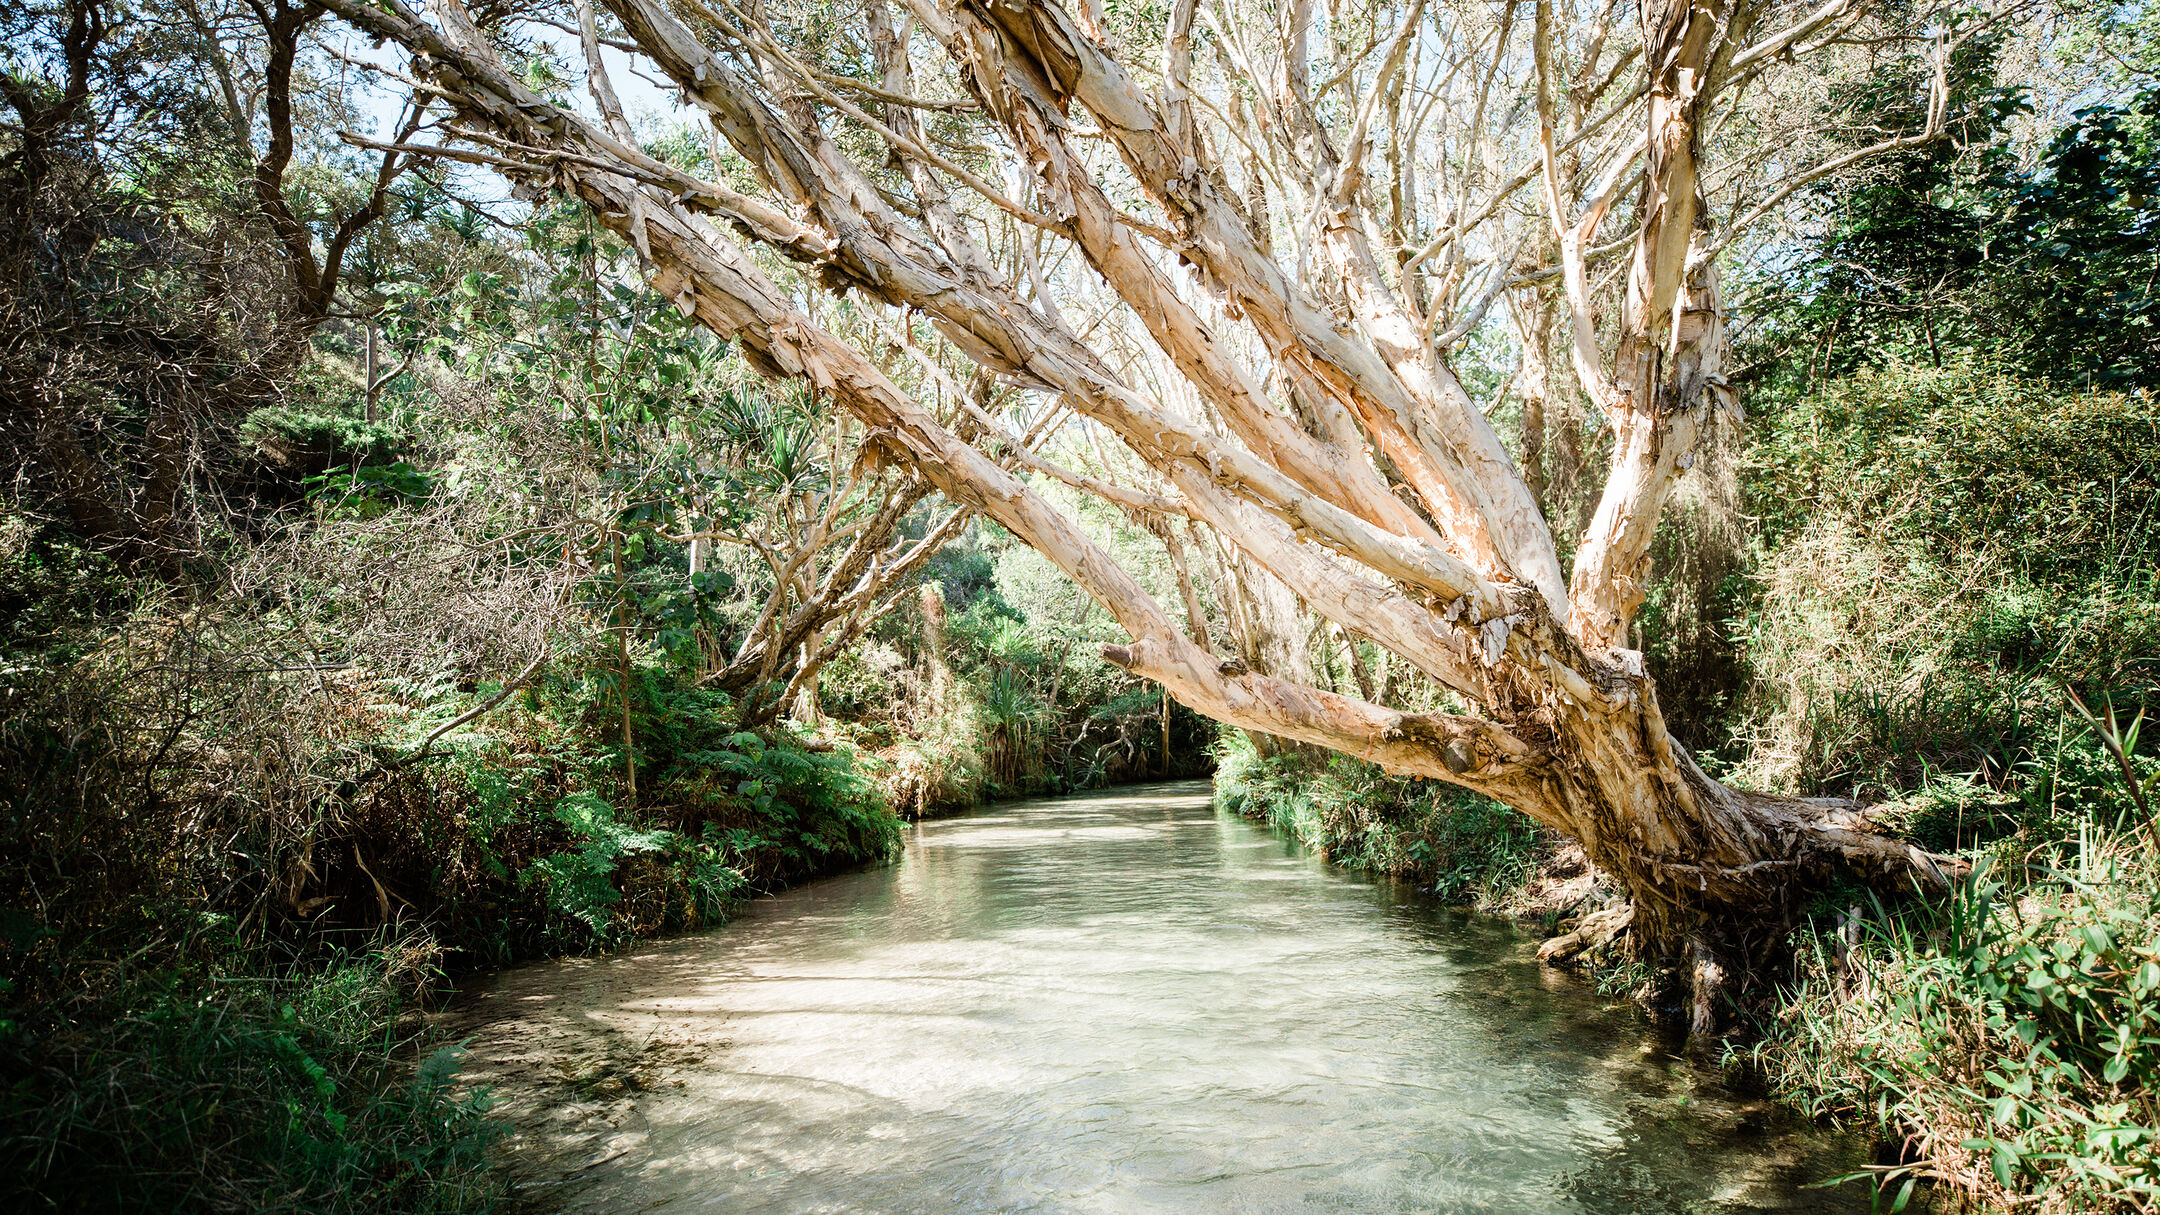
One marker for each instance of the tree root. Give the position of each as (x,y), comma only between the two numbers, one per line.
(1706,982)
(1693,919)
(1596,930)
(1706,974)
(1840,829)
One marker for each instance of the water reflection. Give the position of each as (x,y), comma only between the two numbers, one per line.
(1111,1003)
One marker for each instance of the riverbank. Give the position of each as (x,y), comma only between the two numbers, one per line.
(239,1028)
(213,1061)
(2003,1045)
(248,1030)
(1464,849)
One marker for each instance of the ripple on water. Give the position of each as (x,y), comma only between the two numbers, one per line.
(1110,1003)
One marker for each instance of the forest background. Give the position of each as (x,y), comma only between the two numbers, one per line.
(391,585)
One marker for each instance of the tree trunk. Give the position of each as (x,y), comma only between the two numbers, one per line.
(939,675)
(806,710)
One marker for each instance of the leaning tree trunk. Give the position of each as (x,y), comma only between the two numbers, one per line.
(1371,486)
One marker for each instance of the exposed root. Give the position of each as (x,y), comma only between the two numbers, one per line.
(1839,829)
(1596,930)
(1706,983)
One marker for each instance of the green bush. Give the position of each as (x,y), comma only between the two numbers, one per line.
(580,884)
(1465,848)
(2009,1037)
(50,583)
(1940,550)
(300,440)
(1941,553)
(779,809)
(219,1088)
(144,1067)
(525,839)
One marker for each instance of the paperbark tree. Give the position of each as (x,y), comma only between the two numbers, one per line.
(838,560)
(1208,270)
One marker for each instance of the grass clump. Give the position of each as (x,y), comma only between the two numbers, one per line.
(2007,1040)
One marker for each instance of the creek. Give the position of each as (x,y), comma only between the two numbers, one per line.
(1112,1002)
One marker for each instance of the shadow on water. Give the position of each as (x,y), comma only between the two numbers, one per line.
(1119,1002)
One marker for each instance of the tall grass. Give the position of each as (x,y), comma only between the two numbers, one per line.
(2008,1040)
(1938,551)
(215,1085)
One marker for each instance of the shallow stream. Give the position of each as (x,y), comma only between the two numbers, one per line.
(1119,1002)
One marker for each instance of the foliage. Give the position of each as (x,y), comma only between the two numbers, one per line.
(1953,488)
(2043,262)
(49,583)
(580,883)
(214,1086)
(1464,848)
(185,831)
(288,436)
(776,807)
(1940,550)
(1029,706)
(2011,1036)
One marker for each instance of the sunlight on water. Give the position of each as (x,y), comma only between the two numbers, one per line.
(1112,1003)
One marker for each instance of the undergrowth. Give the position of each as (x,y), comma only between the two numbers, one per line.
(2007,1039)
(1464,848)
(224,892)
(1008,697)
(1938,551)
(214,1084)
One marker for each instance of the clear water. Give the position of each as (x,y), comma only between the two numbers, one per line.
(1113,1003)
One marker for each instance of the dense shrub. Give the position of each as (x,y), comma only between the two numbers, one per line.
(197,1086)
(2008,1039)
(1940,550)
(200,855)
(1025,704)
(1951,564)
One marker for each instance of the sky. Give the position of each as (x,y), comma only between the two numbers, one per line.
(646,103)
